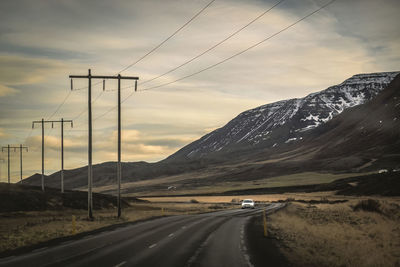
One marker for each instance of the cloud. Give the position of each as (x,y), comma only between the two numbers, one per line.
(6,91)
(3,133)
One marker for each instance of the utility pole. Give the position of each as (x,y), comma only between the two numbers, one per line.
(62,121)
(20,147)
(8,160)
(119,169)
(2,160)
(62,150)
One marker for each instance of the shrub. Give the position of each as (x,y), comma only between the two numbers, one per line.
(368,205)
(324,200)
(194,201)
(235,200)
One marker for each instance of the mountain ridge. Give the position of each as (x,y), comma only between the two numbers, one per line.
(285,120)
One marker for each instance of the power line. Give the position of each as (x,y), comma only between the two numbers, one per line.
(215,45)
(220,62)
(159,45)
(241,52)
(169,37)
(138,60)
(59,106)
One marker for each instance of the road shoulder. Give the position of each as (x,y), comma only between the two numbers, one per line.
(263,251)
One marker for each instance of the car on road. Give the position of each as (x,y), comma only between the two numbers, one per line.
(248,203)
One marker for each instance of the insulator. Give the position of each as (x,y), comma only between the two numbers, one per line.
(104,85)
(72,124)
(72,85)
(135,85)
(52,125)
(33,125)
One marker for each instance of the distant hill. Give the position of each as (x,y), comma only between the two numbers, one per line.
(16,197)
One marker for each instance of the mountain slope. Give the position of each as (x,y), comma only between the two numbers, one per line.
(286,121)
(370,131)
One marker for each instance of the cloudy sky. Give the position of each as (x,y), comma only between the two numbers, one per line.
(44,41)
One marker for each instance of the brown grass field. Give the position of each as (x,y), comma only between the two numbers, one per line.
(336,235)
(19,229)
(217,187)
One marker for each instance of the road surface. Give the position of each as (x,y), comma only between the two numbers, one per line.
(210,239)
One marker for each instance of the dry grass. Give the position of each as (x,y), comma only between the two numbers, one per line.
(305,178)
(18,229)
(336,235)
(260,198)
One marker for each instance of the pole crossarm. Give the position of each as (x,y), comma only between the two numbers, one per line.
(103,77)
(52,121)
(15,147)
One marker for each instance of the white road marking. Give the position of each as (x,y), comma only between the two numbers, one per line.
(172,234)
(119,265)
(152,246)
(40,249)
(183,227)
(244,248)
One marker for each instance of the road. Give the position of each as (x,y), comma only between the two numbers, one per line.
(210,239)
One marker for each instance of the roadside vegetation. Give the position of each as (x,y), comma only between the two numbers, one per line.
(29,216)
(26,228)
(362,232)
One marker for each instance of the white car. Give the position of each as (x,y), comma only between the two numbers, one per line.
(248,203)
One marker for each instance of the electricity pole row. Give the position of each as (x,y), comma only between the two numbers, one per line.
(90,170)
(62,121)
(21,148)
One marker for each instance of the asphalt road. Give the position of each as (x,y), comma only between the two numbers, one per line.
(211,239)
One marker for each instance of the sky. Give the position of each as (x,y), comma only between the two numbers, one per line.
(42,42)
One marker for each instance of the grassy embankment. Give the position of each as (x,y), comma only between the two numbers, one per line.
(339,234)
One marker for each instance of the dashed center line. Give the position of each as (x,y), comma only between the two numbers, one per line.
(152,246)
(172,234)
(120,264)
(40,249)
(183,227)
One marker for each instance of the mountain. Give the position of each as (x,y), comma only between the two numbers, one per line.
(349,128)
(286,121)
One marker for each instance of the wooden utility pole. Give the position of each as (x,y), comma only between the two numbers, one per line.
(119,171)
(8,160)
(62,150)
(62,121)
(1,160)
(21,148)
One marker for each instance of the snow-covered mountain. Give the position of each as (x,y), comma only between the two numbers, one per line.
(287,121)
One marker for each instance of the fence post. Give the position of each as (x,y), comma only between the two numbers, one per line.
(265,223)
